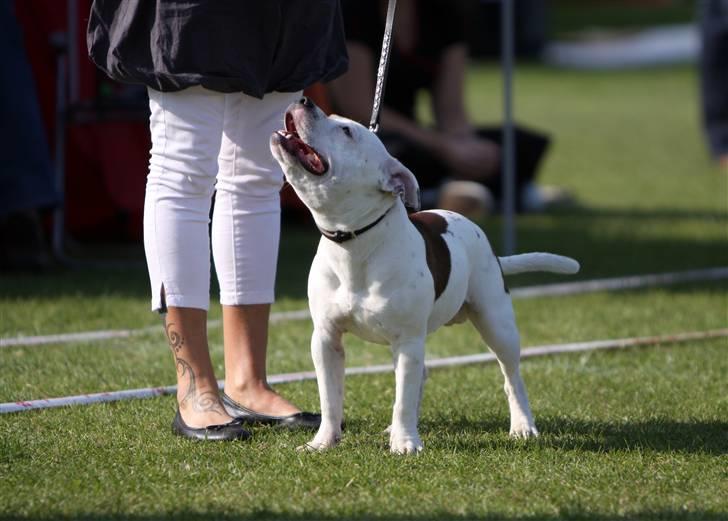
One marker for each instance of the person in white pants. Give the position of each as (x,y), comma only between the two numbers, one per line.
(220,76)
(206,142)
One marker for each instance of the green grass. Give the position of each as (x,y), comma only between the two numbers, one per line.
(631,434)
(639,434)
(571,16)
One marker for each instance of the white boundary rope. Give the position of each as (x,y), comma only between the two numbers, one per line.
(91,336)
(568,288)
(622,283)
(150,392)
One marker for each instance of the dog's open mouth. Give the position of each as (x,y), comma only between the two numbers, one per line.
(306,154)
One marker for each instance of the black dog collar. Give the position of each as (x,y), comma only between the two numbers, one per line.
(340,236)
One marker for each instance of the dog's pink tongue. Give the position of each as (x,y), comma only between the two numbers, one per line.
(310,160)
(314,162)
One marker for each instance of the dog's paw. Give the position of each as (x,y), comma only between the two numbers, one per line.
(523,431)
(320,443)
(405,444)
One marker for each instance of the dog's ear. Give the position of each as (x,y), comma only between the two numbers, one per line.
(397,179)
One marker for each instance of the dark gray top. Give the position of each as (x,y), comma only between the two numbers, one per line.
(250,46)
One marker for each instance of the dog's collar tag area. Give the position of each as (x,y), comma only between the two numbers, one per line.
(339,236)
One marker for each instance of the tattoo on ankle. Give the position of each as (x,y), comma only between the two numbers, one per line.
(174,337)
(185,369)
(207,401)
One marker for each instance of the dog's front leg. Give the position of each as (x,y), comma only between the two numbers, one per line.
(409,367)
(328,359)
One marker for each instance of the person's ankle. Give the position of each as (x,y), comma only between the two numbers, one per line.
(247,386)
(202,407)
(197,419)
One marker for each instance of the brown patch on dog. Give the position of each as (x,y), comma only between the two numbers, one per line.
(432,227)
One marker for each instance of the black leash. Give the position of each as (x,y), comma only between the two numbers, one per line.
(383,66)
(340,236)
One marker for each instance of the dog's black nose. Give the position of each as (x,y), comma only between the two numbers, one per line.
(306,102)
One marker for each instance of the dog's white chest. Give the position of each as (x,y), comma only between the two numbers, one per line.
(367,319)
(378,312)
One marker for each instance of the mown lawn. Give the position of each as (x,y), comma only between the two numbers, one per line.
(635,435)
(632,434)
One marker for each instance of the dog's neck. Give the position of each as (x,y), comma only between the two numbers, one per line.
(342,221)
(340,236)
(364,243)
(352,261)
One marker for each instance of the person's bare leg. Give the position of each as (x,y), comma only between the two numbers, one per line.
(197,393)
(245,332)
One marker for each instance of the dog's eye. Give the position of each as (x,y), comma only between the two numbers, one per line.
(346,131)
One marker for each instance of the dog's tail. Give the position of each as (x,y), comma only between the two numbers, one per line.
(538,262)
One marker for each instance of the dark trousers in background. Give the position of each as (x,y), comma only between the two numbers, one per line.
(26,174)
(714,73)
(531,147)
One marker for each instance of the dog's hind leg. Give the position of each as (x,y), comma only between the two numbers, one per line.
(409,370)
(328,358)
(491,311)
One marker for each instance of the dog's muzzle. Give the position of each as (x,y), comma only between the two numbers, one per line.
(306,155)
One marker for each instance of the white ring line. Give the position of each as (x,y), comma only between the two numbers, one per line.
(91,336)
(566,288)
(621,283)
(150,392)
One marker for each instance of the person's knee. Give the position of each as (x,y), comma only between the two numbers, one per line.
(253,190)
(176,183)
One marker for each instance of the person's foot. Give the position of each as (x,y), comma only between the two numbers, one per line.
(298,420)
(468,198)
(202,419)
(202,409)
(539,198)
(723,162)
(262,399)
(230,431)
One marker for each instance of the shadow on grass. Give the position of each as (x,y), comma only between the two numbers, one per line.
(603,240)
(661,435)
(566,433)
(265,515)
(640,214)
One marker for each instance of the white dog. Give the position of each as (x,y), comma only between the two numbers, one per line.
(389,277)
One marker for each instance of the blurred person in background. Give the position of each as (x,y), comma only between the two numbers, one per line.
(457,165)
(220,75)
(27,184)
(714,74)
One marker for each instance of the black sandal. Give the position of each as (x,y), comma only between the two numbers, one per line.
(226,432)
(299,420)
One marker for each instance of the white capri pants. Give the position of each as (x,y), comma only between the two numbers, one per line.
(202,142)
